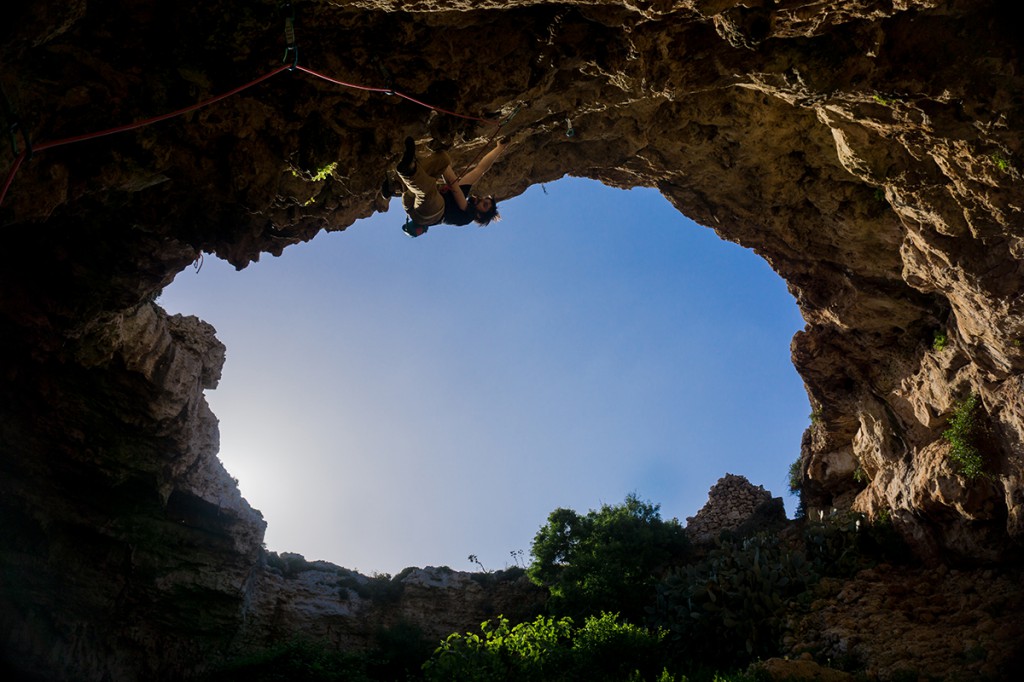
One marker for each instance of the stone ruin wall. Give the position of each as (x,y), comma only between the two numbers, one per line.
(734,502)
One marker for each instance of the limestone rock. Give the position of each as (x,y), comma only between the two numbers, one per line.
(905,622)
(345,609)
(800,670)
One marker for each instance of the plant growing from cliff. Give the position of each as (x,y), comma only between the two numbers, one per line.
(491,578)
(319,175)
(884,100)
(796,481)
(474,559)
(1001,162)
(961,434)
(939,341)
(859,475)
(322,173)
(608,560)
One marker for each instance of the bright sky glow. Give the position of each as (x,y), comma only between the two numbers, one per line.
(390,402)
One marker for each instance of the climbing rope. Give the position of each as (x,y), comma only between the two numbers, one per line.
(163,117)
(483,150)
(390,91)
(290,51)
(42,146)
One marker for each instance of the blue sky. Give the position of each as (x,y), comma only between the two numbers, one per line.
(390,402)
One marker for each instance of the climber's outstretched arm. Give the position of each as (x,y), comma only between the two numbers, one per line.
(472,176)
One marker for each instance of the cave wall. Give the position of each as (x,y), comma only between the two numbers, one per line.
(869,151)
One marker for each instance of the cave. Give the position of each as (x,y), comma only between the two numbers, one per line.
(870,152)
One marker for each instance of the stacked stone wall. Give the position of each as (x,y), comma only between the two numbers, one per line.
(735,504)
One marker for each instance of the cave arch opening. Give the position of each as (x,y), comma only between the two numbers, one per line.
(389,402)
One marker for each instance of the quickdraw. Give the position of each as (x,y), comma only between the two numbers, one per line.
(291,48)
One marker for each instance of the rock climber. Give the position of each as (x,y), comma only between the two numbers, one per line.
(453,204)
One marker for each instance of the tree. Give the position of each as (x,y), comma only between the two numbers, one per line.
(609,560)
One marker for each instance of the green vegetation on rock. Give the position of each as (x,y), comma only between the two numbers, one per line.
(962,434)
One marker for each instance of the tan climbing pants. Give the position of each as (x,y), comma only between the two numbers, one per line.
(421,198)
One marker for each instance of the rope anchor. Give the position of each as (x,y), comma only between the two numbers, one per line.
(511,116)
(389,79)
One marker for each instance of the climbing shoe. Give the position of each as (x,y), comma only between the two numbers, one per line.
(414,230)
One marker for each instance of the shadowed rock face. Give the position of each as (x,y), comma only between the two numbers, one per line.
(869,151)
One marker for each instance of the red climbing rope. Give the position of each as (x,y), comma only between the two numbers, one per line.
(139,124)
(130,126)
(162,117)
(393,92)
(10,175)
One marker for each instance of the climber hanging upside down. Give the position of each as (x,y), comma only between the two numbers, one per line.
(427,204)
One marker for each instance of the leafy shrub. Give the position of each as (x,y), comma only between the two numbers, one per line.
(796,475)
(526,651)
(506,575)
(608,560)
(606,649)
(549,649)
(796,482)
(1001,162)
(962,434)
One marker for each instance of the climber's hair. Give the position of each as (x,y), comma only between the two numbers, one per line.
(485,217)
